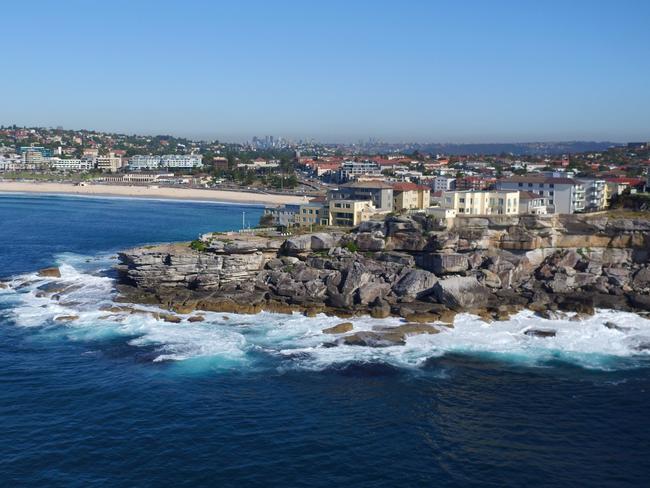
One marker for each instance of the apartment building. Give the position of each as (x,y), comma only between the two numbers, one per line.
(141,162)
(316,212)
(181,161)
(349,213)
(84,164)
(470,202)
(110,164)
(409,196)
(351,170)
(475,183)
(444,183)
(379,193)
(561,195)
(283,215)
(167,161)
(596,194)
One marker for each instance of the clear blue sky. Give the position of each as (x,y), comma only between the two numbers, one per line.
(457,71)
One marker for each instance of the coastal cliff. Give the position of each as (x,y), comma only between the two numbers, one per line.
(411,267)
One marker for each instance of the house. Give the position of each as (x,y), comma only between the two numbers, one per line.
(475,183)
(409,196)
(616,186)
(379,193)
(469,202)
(350,213)
(283,215)
(561,195)
(532,203)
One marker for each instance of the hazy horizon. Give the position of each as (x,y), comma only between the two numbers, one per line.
(474,73)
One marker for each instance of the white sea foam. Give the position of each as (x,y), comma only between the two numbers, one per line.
(296,341)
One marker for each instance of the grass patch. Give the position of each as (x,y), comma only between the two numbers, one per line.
(198,245)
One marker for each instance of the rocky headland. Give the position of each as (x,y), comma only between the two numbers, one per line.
(411,267)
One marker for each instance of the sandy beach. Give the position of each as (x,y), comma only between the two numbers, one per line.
(151,192)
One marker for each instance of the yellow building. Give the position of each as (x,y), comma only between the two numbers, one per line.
(409,196)
(468,202)
(349,213)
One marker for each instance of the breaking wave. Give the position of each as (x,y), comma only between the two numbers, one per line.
(80,306)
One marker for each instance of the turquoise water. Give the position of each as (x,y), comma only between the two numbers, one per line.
(255,401)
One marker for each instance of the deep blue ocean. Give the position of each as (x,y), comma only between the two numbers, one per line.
(254,401)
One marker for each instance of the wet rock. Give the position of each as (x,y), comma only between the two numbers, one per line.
(373,339)
(642,346)
(50,273)
(174,319)
(66,318)
(380,309)
(640,301)
(339,328)
(543,333)
(196,318)
(614,326)
(409,329)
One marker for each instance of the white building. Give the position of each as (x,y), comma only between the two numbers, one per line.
(595,193)
(351,170)
(141,162)
(489,202)
(166,161)
(181,161)
(561,195)
(444,183)
(84,164)
(260,164)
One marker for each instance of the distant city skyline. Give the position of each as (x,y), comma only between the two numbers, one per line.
(336,72)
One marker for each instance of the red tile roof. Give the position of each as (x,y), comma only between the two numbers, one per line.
(407,186)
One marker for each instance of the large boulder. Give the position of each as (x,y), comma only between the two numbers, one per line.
(297,244)
(462,293)
(370,241)
(417,283)
(372,291)
(323,240)
(641,279)
(372,226)
(50,273)
(445,263)
(341,328)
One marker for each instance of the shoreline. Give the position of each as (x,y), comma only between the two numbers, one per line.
(143,192)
